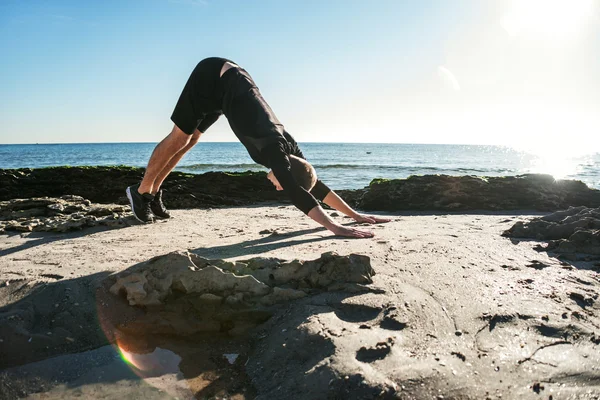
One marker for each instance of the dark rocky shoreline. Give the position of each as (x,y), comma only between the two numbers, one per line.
(572,234)
(107,185)
(214,189)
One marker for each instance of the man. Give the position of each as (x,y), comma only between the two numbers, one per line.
(219,86)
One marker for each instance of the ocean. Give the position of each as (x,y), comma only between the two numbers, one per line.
(340,165)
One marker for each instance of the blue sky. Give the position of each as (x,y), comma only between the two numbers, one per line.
(433,71)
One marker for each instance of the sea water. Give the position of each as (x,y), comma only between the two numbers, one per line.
(340,165)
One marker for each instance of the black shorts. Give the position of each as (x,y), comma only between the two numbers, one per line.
(249,116)
(200,102)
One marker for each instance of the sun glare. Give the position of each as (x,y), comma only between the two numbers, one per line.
(560,160)
(547,18)
(559,166)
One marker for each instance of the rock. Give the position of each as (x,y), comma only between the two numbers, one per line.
(571,231)
(458,193)
(50,214)
(210,298)
(214,189)
(279,295)
(107,185)
(133,286)
(184,294)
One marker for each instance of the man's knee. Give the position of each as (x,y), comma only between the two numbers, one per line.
(195,137)
(179,138)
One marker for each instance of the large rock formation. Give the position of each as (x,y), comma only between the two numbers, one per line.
(573,233)
(460,193)
(177,294)
(107,185)
(67,213)
(315,326)
(212,189)
(184,294)
(313,339)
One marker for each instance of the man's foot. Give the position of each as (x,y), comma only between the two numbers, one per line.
(158,208)
(140,204)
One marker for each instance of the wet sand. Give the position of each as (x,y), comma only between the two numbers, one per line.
(476,315)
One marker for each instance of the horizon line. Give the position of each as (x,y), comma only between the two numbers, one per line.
(235,141)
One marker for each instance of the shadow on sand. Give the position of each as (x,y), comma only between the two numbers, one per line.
(35,239)
(61,342)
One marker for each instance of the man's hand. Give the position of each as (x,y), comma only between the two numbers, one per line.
(340,230)
(318,215)
(370,219)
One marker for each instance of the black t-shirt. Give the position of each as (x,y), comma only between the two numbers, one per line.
(256,126)
(207,95)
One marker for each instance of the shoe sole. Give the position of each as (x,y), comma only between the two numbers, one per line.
(128,192)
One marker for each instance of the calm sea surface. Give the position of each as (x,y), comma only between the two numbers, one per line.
(340,165)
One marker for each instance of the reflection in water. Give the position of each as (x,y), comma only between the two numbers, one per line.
(183,366)
(94,374)
(157,363)
(138,368)
(159,369)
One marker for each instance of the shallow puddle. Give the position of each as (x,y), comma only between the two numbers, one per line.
(199,369)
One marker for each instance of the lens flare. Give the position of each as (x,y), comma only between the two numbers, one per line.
(155,363)
(155,366)
(448,78)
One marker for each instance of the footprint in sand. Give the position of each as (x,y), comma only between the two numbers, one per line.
(377,352)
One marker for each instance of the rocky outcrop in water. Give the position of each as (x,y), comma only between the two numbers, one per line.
(183,294)
(214,189)
(107,185)
(573,233)
(461,193)
(67,213)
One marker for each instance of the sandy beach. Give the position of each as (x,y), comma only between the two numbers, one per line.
(159,161)
(475,314)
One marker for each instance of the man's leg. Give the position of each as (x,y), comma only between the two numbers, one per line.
(140,196)
(168,148)
(173,162)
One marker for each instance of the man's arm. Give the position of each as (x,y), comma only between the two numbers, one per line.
(321,192)
(329,197)
(302,199)
(318,215)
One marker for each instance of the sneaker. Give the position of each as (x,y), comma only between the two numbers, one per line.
(158,208)
(140,204)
